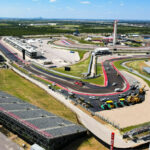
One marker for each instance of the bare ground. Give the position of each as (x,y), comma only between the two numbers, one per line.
(133,115)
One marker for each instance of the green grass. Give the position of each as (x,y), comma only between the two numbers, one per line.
(81,40)
(138,66)
(20,68)
(34,76)
(120,67)
(15,85)
(77,69)
(80,52)
(82,67)
(99,80)
(4,24)
(118,64)
(124,130)
(86,143)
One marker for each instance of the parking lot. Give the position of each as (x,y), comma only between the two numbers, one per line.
(57,56)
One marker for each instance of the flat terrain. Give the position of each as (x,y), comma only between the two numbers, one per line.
(23,89)
(133,115)
(82,67)
(77,69)
(88,143)
(59,57)
(15,85)
(138,65)
(7,144)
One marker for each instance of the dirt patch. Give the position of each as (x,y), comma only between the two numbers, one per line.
(86,56)
(133,115)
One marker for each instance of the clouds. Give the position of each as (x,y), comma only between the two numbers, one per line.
(88,9)
(122,4)
(35,0)
(85,2)
(52,1)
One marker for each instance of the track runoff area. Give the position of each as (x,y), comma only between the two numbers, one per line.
(93,97)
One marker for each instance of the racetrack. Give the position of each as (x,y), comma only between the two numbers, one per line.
(110,72)
(112,75)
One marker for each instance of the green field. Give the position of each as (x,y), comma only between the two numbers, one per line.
(120,67)
(82,41)
(82,67)
(77,69)
(4,24)
(17,86)
(133,127)
(80,52)
(138,65)
(98,80)
(34,76)
(22,27)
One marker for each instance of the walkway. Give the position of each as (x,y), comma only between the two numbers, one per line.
(7,144)
(102,131)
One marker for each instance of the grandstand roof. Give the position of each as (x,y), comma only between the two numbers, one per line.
(43,122)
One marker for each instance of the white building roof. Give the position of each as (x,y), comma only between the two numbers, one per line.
(36,147)
(20,43)
(102,49)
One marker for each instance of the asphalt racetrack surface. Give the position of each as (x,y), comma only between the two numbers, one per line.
(111,74)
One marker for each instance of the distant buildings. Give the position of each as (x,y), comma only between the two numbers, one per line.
(76,33)
(44,24)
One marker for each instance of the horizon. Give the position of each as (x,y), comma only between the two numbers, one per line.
(67,19)
(76,9)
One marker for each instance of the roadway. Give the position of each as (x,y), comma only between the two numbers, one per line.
(91,47)
(111,74)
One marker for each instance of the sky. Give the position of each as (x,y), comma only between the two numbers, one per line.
(76,9)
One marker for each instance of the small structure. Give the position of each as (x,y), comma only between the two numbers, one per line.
(36,147)
(102,51)
(88,39)
(146,69)
(76,33)
(67,68)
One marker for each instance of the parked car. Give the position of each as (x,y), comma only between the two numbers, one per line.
(114,84)
(118,90)
(94,97)
(80,83)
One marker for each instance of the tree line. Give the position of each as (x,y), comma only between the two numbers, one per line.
(16,30)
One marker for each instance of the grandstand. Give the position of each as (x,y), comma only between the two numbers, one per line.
(21,45)
(36,125)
